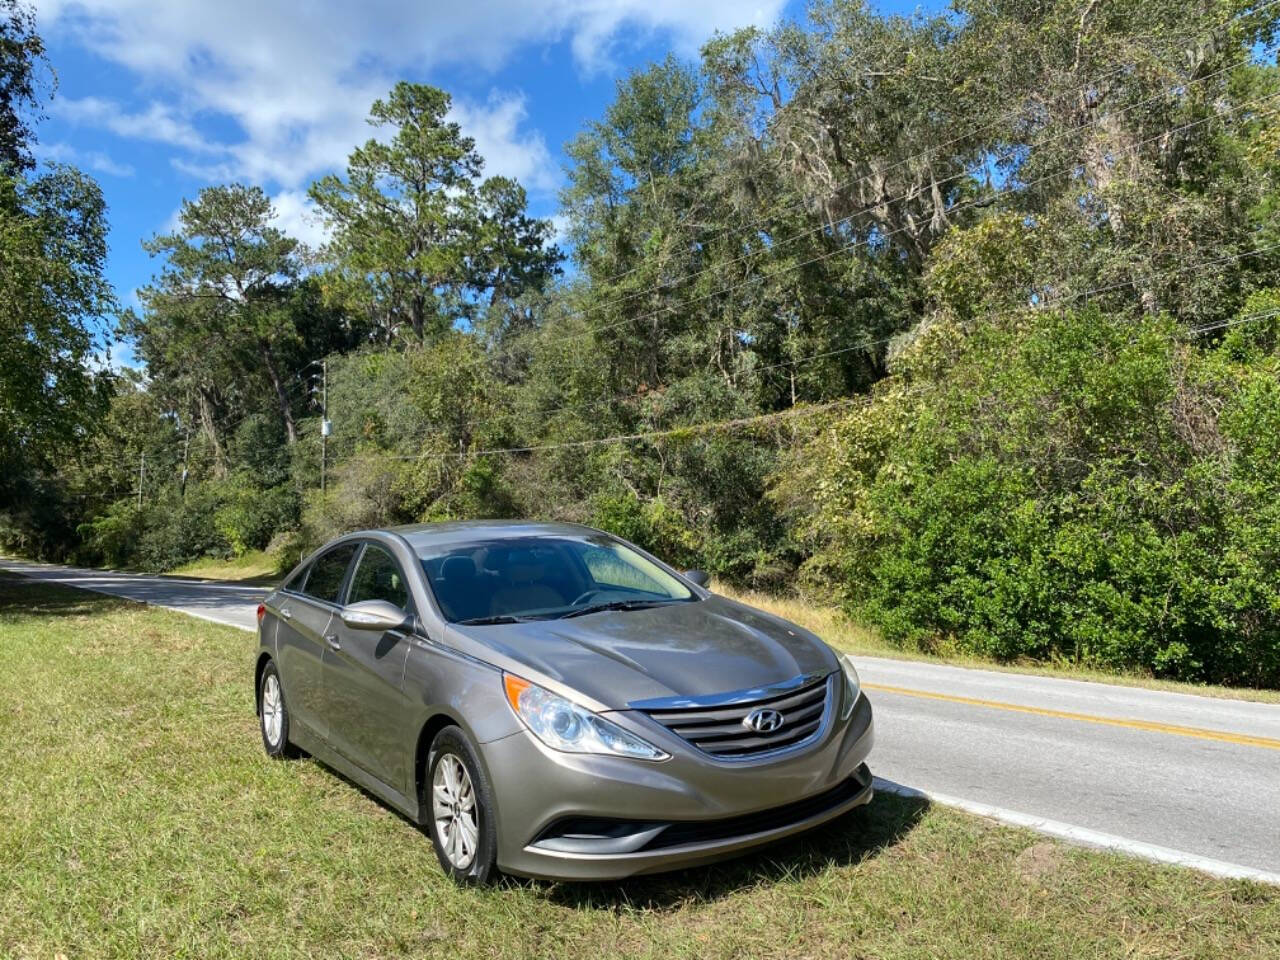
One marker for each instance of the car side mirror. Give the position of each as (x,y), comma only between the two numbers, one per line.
(376,615)
(700,577)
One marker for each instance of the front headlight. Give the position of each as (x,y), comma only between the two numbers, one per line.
(851,686)
(563,725)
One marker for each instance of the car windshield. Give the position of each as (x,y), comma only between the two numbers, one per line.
(526,578)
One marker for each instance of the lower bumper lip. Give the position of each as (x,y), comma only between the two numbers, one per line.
(583,865)
(612,838)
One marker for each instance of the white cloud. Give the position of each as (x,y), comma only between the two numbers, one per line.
(94,160)
(559,229)
(506,148)
(297,79)
(296,215)
(158,122)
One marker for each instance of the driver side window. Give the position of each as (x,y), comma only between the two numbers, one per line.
(378,577)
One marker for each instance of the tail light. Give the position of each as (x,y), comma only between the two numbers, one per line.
(262,612)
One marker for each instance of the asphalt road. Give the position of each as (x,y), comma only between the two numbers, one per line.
(1171,776)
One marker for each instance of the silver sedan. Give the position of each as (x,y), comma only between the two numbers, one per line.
(548,700)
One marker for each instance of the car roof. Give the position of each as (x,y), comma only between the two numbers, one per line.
(430,536)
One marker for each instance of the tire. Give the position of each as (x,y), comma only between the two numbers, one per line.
(273,715)
(468,856)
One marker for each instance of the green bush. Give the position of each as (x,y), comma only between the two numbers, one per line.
(248,517)
(178,530)
(213,519)
(1069,486)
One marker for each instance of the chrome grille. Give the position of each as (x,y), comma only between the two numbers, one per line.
(722,731)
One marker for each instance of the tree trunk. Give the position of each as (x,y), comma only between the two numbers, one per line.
(211,431)
(417,312)
(282,398)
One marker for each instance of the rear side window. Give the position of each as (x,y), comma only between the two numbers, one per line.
(327,573)
(378,577)
(294,583)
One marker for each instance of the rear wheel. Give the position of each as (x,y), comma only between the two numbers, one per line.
(273,714)
(457,802)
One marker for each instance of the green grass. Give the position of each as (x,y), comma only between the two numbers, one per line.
(833,626)
(141,818)
(256,566)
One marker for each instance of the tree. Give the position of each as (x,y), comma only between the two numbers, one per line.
(21,54)
(53,247)
(221,302)
(415,235)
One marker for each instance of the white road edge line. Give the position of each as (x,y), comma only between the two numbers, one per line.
(1083,836)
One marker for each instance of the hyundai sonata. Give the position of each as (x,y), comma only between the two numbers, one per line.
(548,700)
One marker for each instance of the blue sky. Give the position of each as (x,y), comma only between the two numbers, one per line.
(158,98)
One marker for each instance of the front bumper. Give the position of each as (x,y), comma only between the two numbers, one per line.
(584,817)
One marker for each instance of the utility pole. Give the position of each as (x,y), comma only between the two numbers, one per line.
(325,426)
(142,472)
(186,449)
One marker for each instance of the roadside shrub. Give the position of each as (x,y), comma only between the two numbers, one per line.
(111,538)
(1070,486)
(249,517)
(178,530)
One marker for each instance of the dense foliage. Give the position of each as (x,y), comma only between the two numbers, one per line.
(967,318)
(1076,487)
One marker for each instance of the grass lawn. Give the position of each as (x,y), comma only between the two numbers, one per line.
(141,818)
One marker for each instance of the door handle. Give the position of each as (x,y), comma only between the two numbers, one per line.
(286,613)
(332,640)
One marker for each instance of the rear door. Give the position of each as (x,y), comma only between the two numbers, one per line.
(306,613)
(364,675)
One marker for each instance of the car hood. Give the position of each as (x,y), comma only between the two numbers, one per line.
(697,649)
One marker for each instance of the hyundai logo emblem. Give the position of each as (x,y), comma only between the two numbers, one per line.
(762,721)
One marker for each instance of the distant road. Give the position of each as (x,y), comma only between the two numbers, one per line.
(226,603)
(1170,776)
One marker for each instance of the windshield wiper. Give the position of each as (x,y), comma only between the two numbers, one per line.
(615,605)
(497,618)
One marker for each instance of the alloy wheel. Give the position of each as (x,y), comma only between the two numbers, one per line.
(453,804)
(272,709)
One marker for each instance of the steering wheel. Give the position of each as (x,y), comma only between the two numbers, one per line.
(586,596)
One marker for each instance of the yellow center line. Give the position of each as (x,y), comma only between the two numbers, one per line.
(1197,732)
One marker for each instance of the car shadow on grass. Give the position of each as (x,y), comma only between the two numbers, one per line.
(24,596)
(862,834)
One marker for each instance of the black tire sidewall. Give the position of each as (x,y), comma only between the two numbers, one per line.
(283,748)
(483,869)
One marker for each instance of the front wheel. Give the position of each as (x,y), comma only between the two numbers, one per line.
(458,801)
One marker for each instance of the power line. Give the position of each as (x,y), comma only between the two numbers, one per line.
(864,345)
(1235,322)
(983,201)
(868,344)
(708,427)
(712,426)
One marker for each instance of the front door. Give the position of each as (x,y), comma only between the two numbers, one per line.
(364,674)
